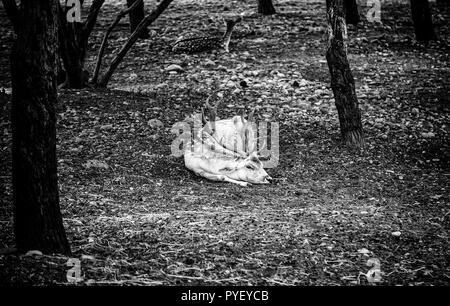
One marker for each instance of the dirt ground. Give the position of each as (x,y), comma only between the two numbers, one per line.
(143,218)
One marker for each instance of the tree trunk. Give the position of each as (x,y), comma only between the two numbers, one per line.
(73,49)
(423,24)
(136,16)
(37,218)
(60,72)
(12,12)
(73,44)
(265,7)
(351,12)
(342,82)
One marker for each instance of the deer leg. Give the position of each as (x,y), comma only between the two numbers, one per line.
(240,183)
(222,178)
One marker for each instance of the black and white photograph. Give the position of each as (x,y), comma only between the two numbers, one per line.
(224,148)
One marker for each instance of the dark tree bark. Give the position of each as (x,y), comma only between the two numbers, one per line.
(136,16)
(266,7)
(73,49)
(351,12)
(423,24)
(37,218)
(148,20)
(342,82)
(12,12)
(74,38)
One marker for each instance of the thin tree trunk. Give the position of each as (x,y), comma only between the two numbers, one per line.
(37,218)
(266,7)
(136,16)
(351,12)
(133,38)
(73,49)
(423,24)
(105,38)
(342,82)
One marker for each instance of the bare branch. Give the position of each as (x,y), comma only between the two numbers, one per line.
(148,20)
(105,38)
(131,8)
(92,17)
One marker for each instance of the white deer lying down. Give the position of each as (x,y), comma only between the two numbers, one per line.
(225,150)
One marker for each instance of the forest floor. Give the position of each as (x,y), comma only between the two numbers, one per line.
(138,216)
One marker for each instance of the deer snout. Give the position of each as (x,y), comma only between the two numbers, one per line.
(268,179)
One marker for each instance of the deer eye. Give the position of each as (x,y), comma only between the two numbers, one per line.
(249,167)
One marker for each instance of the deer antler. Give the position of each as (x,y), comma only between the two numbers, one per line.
(248,124)
(203,112)
(263,146)
(212,109)
(250,116)
(217,147)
